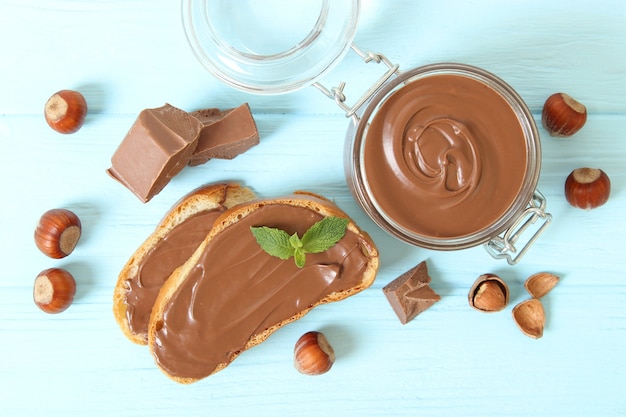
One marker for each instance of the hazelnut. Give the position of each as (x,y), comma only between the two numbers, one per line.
(540,284)
(313,355)
(54,290)
(489,293)
(562,115)
(530,317)
(57,233)
(587,188)
(65,111)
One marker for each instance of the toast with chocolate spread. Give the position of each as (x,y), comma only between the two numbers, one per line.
(230,295)
(173,241)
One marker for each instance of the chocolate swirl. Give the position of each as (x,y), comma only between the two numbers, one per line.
(444,156)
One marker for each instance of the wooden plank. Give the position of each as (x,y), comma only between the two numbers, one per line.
(451,360)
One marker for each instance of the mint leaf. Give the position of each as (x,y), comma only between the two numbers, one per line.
(295,241)
(299,257)
(324,234)
(298,253)
(275,242)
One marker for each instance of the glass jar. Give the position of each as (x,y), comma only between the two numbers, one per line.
(294,44)
(459,187)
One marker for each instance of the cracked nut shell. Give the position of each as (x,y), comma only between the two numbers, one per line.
(530,317)
(489,293)
(540,284)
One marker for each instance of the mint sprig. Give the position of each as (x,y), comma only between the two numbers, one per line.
(320,237)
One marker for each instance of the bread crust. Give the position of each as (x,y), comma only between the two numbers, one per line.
(204,198)
(299,199)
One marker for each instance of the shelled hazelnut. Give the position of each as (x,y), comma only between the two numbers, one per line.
(65,111)
(313,355)
(54,290)
(562,115)
(587,188)
(489,293)
(58,232)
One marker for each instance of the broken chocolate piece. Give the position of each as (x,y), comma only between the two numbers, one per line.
(410,294)
(155,149)
(225,134)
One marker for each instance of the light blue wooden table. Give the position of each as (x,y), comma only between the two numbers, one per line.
(451,361)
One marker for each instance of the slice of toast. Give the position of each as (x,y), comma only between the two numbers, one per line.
(231,295)
(175,238)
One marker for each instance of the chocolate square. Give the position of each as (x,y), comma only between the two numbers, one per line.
(155,149)
(225,134)
(410,294)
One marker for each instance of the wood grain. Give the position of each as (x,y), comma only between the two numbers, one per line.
(451,360)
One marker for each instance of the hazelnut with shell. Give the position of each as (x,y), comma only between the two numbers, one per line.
(313,355)
(54,290)
(562,115)
(587,188)
(58,232)
(489,293)
(65,111)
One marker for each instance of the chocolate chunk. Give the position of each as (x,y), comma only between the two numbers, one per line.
(410,294)
(209,116)
(155,149)
(225,134)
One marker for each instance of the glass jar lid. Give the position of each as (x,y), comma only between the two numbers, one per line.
(269,46)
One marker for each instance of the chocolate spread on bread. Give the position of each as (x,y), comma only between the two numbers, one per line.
(168,254)
(235,291)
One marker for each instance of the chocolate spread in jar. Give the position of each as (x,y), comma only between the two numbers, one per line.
(168,254)
(237,291)
(445,156)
